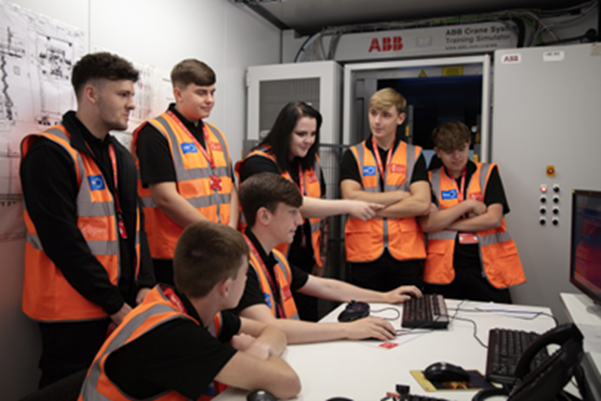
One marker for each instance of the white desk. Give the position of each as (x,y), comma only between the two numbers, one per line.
(587,316)
(361,371)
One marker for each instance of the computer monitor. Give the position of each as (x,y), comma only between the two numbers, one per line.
(585,250)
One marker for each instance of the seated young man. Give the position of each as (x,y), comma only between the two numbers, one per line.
(176,340)
(470,254)
(271,207)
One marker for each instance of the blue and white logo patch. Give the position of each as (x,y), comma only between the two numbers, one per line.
(369,170)
(189,147)
(96,182)
(452,194)
(267,299)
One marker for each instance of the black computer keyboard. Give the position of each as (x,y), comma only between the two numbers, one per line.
(410,397)
(504,350)
(430,311)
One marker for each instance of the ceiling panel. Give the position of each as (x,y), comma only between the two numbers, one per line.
(311,16)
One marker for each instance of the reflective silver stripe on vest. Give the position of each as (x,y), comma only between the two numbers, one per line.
(410,157)
(282,267)
(211,328)
(494,238)
(202,201)
(88,390)
(435,182)
(86,208)
(361,157)
(484,169)
(445,234)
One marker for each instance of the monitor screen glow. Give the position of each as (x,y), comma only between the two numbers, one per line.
(585,250)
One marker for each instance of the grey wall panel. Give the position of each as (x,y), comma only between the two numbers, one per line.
(546,112)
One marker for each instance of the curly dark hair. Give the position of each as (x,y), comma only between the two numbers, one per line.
(101,66)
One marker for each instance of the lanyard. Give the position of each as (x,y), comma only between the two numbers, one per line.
(462,185)
(120,224)
(174,299)
(266,272)
(379,160)
(208,155)
(301,179)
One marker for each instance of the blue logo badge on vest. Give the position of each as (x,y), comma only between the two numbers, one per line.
(189,147)
(96,182)
(267,299)
(452,194)
(369,170)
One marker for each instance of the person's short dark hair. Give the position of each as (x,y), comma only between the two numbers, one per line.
(278,137)
(101,65)
(266,190)
(207,253)
(192,71)
(451,135)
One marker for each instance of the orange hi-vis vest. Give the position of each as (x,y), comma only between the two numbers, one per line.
(365,241)
(283,278)
(195,182)
(498,253)
(47,295)
(156,309)
(312,185)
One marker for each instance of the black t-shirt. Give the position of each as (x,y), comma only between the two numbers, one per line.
(468,255)
(300,252)
(50,188)
(253,294)
(154,154)
(177,355)
(349,169)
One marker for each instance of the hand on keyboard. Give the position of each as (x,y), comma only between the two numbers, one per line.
(402,294)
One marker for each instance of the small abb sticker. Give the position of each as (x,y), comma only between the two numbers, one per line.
(388,345)
(397,168)
(514,58)
(216,147)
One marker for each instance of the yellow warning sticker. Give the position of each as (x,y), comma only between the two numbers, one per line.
(452,71)
(422,74)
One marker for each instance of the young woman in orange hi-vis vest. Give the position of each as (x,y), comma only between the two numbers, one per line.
(470,253)
(290,149)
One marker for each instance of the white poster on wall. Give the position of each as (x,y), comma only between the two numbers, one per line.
(37,54)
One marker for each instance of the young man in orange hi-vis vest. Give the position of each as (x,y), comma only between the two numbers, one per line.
(185,167)
(87,261)
(470,253)
(387,250)
(180,338)
(271,207)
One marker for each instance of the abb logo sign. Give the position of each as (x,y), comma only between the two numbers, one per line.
(386,44)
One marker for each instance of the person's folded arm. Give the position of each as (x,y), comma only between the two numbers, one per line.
(418,204)
(491,219)
(351,189)
(441,219)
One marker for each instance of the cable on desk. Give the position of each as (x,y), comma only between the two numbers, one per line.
(475,333)
(536,314)
(387,309)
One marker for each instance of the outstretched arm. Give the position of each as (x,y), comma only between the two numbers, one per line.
(300,332)
(234,208)
(316,207)
(336,290)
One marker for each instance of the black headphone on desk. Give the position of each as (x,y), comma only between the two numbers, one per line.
(546,382)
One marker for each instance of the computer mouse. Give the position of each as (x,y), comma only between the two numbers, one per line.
(446,372)
(353,311)
(260,395)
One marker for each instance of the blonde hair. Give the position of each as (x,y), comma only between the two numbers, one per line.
(384,98)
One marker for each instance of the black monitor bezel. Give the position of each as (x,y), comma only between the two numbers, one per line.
(585,290)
